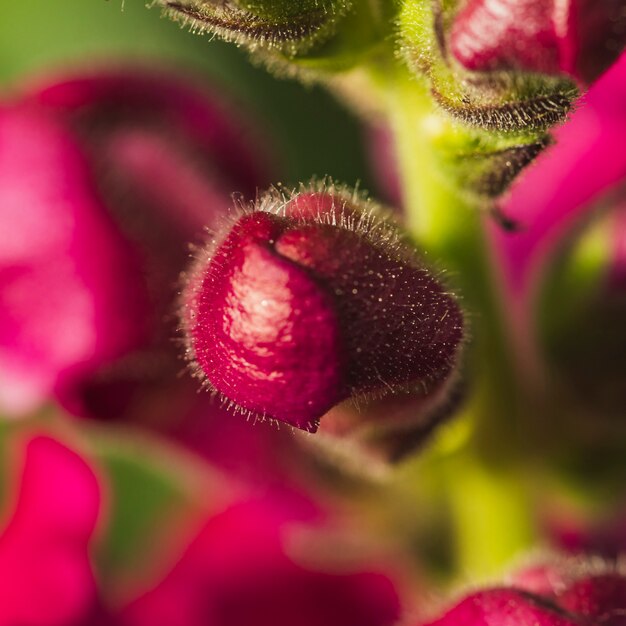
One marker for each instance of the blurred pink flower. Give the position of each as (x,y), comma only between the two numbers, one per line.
(585,165)
(104,182)
(70,291)
(45,571)
(238,569)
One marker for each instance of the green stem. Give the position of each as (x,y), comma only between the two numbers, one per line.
(493,517)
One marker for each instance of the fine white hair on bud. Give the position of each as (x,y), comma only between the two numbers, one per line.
(287,26)
(312,298)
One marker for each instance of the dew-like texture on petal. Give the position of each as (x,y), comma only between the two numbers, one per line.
(68,290)
(45,570)
(295,311)
(505,607)
(237,572)
(581,38)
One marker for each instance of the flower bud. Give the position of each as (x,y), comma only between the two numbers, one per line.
(512,607)
(290,26)
(520,106)
(567,592)
(580,38)
(591,590)
(311,299)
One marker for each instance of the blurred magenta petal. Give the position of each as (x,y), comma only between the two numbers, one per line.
(587,163)
(68,294)
(45,572)
(188,113)
(242,567)
(105,181)
(581,38)
(617,270)
(383,160)
(238,572)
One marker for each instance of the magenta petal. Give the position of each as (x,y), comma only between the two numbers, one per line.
(504,607)
(67,292)
(264,332)
(560,189)
(45,571)
(184,111)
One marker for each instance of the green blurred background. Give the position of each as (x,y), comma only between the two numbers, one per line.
(314,134)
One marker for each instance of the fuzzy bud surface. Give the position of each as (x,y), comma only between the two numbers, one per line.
(313,299)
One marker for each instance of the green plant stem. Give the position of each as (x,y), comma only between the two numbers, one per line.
(493,516)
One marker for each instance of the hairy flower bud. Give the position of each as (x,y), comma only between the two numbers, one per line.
(512,607)
(311,299)
(568,592)
(286,25)
(580,38)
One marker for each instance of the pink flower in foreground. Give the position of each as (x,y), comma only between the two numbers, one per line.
(587,164)
(104,182)
(45,572)
(581,38)
(239,569)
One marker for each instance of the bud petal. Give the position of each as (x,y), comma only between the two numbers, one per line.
(517,102)
(310,300)
(45,567)
(567,592)
(581,38)
(512,607)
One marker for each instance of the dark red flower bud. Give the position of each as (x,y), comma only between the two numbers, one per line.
(312,299)
(566,592)
(581,38)
(505,607)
